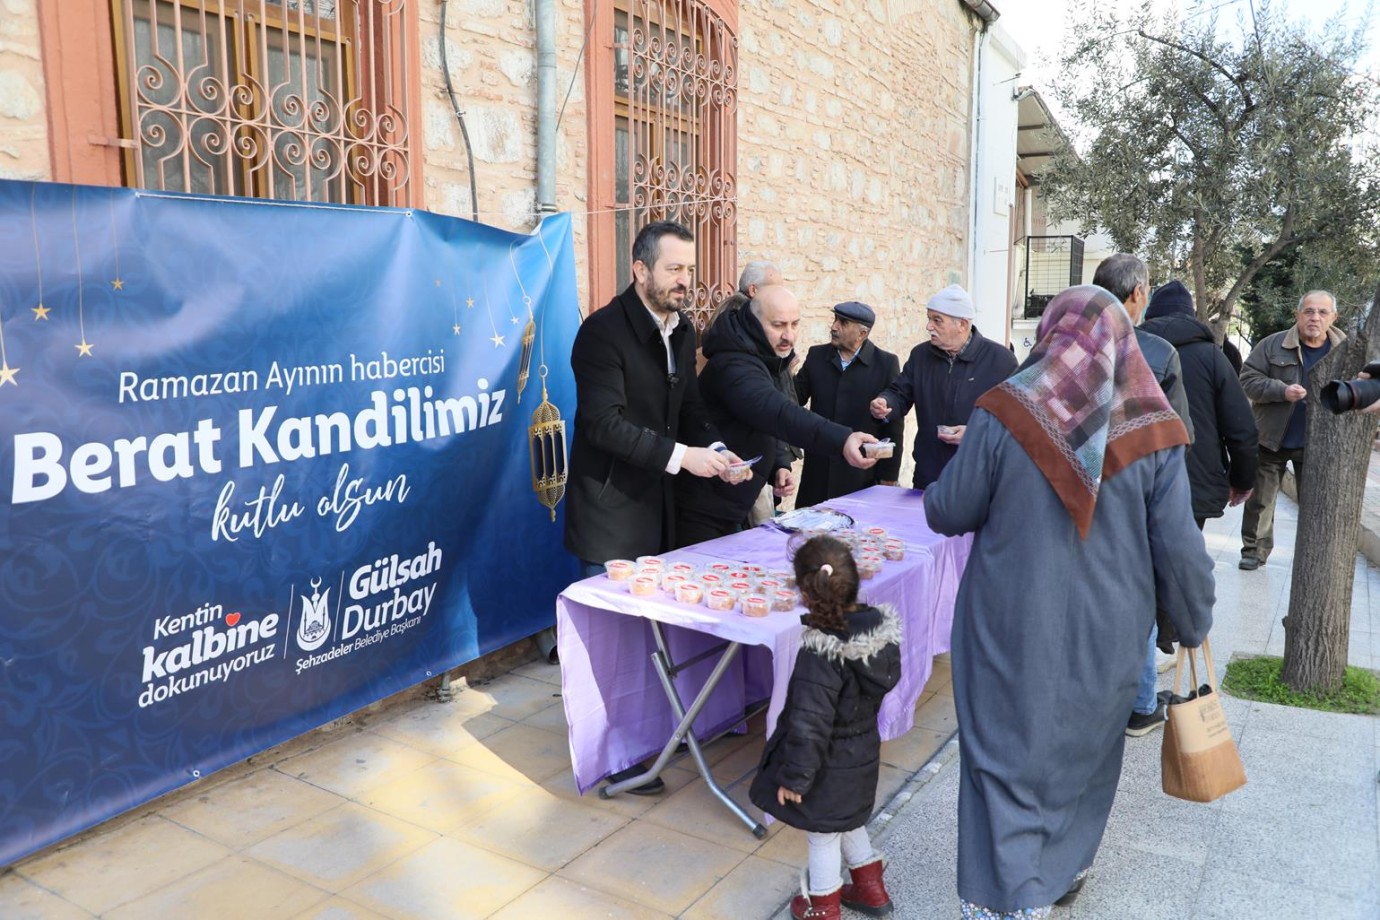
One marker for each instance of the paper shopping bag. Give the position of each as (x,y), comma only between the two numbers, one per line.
(1198,761)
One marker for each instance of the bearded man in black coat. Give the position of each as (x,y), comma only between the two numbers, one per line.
(639,421)
(838,381)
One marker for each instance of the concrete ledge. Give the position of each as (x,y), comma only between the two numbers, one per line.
(1368,541)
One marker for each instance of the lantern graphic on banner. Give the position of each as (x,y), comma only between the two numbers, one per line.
(529,335)
(546,442)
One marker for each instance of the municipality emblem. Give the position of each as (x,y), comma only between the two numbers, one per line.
(314,628)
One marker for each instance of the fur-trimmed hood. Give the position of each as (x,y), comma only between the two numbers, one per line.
(872,629)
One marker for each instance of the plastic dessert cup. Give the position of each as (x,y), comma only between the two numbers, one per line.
(689,592)
(755,605)
(719,599)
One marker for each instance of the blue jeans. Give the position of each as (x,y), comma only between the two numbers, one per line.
(590,569)
(1146,701)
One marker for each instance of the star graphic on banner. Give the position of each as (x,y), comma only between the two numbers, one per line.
(469,302)
(84,349)
(456,328)
(515,320)
(438,282)
(118,284)
(497,340)
(41,312)
(7,374)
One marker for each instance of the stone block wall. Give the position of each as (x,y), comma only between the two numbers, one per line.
(491,50)
(23,107)
(853,154)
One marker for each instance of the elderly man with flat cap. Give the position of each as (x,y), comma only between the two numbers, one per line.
(943,379)
(838,381)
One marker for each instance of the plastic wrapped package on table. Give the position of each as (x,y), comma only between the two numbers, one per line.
(617,712)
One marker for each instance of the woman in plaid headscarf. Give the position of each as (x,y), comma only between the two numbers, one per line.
(1071,475)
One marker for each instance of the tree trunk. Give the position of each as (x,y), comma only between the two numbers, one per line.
(1330,498)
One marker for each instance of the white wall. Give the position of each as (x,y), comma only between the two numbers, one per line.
(994,184)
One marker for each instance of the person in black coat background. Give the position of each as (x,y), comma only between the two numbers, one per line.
(841,393)
(639,419)
(746,388)
(819,768)
(1222,459)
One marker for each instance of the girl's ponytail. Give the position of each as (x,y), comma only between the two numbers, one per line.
(828,579)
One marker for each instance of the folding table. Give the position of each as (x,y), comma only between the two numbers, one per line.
(628,663)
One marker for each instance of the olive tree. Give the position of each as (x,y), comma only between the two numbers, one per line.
(1224,156)
(1213,153)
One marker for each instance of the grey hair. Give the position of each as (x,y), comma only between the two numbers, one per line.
(1121,274)
(755,273)
(1318,293)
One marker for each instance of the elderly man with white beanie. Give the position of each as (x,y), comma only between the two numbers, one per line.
(942,379)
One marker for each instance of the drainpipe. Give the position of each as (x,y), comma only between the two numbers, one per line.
(545,15)
(975,163)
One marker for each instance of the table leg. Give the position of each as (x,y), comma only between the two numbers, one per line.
(666,671)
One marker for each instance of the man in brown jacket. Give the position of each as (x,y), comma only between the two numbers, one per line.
(1276,379)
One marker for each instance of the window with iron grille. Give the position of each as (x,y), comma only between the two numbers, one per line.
(673,101)
(1052,263)
(297,99)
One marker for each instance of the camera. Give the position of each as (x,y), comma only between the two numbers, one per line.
(1345,395)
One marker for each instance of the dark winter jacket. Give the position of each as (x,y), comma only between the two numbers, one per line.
(826,745)
(745,386)
(629,416)
(842,395)
(1223,454)
(943,388)
(1164,364)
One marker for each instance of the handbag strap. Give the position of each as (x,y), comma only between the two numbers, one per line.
(1186,653)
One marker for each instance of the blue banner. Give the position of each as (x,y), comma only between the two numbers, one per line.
(261,464)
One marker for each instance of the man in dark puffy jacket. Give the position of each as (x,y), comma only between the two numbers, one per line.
(746,387)
(943,379)
(1222,459)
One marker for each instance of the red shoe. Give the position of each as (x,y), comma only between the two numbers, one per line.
(867,894)
(817,906)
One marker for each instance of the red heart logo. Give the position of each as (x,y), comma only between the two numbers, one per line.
(232,619)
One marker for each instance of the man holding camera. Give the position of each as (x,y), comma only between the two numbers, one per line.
(1275,377)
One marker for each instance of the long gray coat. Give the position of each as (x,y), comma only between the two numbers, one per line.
(1049,639)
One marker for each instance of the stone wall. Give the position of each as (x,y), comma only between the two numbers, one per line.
(491,51)
(853,153)
(23,107)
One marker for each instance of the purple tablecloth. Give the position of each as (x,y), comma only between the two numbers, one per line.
(615,707)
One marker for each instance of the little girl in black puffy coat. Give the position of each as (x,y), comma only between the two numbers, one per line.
(819,770)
